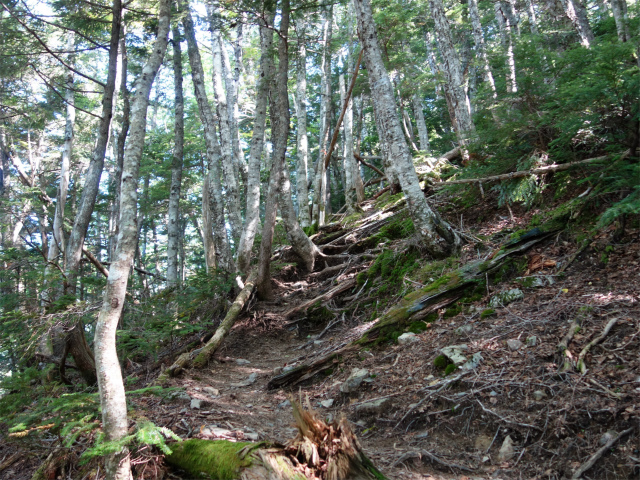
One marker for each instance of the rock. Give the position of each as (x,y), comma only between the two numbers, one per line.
(327,403)
(277,370)
(422,435)
(284,404)
(354,380)
(608,435)
(536,281)
(504,298)
(181,395)
(242,361)
(249,381)
(514,344)
(539,395)
(407,338)
(531,341)
(463,330)
(472,363)
(288,368)
(254,437)
(507,452)
(375,407)
(455,353)
(211,391)
(196,403)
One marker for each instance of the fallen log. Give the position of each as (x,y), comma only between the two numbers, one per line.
(319,451)
(199,358)
(524,173)
(338,289)
(443,292)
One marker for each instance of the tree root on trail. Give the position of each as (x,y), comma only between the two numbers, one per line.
(424,453)
(199,358)
(439,294)
(581,365)
(319,451)
(596,456)
(338,289)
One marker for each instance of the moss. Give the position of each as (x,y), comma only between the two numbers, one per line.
(311,229)
(318,314)
(216,460)
(452,311)
(417,327)
(489,312)
(450,369)
(441,362)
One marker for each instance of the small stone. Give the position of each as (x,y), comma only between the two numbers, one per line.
(607,436)
(354,380)
(507,451)
(463,330)
(375,407)
(539,395)
(254,437)
(288,368)
(277,370)
(318,342)
(504,298)
(422,435)
(180,396)
(211,391)
(532,341)
(407,338)
(196,403)
(284,404)
(514,344)
(327,403)
(249,405)
(455,353)
(242,361)
(249,381)
(473,363)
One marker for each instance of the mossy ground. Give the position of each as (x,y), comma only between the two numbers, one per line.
(210,459)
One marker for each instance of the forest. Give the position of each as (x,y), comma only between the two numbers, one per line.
(315,239)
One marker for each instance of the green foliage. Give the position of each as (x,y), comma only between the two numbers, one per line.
(450,369)
(441,362)
(489,312)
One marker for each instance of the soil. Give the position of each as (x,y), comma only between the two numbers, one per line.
(437,426)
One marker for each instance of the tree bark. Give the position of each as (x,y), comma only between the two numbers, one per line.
(577,13)
(301,129)
(505,20)
(173,228)
(110,383)
(252,214)
(423,133)
(621,17)
(478,38)
(92,181)
(438,237)
(279,112)
(222,249)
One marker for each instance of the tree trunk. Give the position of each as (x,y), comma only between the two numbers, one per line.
(478,38)
(173,228)
(505,19)
(462,122)
(423,133)
(320,177)
(302,140)
(92,181)
(252,214)
(620,15)
(438,237)
(111,387)
(222,249)
(279,113)
(232,193)
(577,13)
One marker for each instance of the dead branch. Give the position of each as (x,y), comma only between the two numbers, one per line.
(101,268)
(563,347)
(582,366)
(524,173)
(366,164)
(596,456)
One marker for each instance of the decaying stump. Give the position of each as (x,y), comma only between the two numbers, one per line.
(417,305)
(319,451)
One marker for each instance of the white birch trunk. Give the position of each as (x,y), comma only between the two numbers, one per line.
(621,17)
(222,249)
(533,21)
(423,133)
(505,19)
(232,193)
(453,74)
(110,383)
(302,139)
(577,13)
(252,214)
(348,161)
(437,236)
(173,227)
(478,38)
(96,165)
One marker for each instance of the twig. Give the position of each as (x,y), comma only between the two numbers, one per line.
(615,395)
(582,366)
(506,420)
(563,346)
(596,456)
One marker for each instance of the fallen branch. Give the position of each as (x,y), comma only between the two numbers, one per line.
(563,347)
(582,366)
(202,355)
(596,456)
(366,164)
(524,173)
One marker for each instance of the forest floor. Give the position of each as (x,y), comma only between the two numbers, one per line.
(516,415)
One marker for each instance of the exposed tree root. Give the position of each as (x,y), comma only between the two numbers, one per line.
(199,358)
(596,456)
(439,294)
(432,458)
(338,289)
(563,347)
(581,365)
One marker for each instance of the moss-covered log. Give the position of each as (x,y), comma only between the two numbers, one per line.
(417,305)
(199,358)
(319,451)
